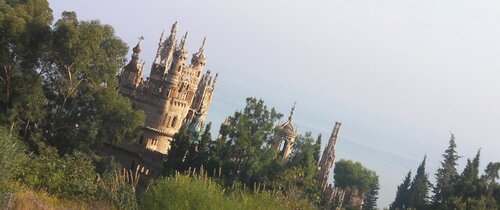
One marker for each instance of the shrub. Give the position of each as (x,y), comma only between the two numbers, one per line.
(200,192)
(12,155)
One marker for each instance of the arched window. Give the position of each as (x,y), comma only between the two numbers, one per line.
(174,122)
(179,69)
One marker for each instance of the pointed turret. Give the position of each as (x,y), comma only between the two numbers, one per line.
(160,47)
(202,48)
(183,41)
(137,49)
(198,60)
(174,29)
(131,76)
(178,62)
(285,136)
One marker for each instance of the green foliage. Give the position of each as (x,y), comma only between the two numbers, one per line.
(465,191)
(184,192)
(242,149)
(71,176)
(354,175)
(304,162)
(403,194)
(58,85)
(12,156)
(179,147)
(115,189)
(24,38)
(81,85)
(446,175)
(371,197)
(419,189)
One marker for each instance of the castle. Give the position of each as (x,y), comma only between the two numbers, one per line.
(173,93)
(176,93)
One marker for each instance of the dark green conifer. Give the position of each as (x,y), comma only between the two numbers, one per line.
(419,189)
(402,195)
(446,175)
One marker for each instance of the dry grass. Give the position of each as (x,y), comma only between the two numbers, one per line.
(25,199)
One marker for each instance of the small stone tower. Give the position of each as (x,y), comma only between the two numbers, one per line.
(173,89)
(284,138)
(328,158)
(131,76)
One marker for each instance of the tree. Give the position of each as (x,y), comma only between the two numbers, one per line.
(419,189)
(469,188)
(200,152)
(446,175)
(469,179)
(491,189)
(84,106)
(354,175)
(179,148)
(304,166)
(244,142)
(371,197)
(403,194)
(24,40)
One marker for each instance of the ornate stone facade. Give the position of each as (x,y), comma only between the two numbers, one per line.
(173,92)
(332,196)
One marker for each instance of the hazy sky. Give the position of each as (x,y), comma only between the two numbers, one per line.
(399,75)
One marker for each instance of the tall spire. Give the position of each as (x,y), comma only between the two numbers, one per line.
(183,41)
(202,48)
(174,28)
(215,80)
(161,36)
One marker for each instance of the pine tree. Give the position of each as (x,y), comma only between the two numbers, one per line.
(371,197)
(491,187)
(419,189)
(402,195)
(446,175)
(200,152)
(176,156)
(469,183)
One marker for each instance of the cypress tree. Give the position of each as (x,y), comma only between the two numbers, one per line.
(402,195)
(446,175)
(419,189)
(468,185)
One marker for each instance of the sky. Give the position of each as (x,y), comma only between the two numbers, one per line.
(401,76)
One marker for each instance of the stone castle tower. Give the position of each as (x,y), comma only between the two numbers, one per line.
(284,138)
(173,93)
(328,158)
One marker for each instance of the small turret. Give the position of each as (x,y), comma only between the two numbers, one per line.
(178,62)
(131,75)
(198,61)
(183,41)
(285,136)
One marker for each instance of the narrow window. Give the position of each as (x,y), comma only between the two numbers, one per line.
(174,122)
